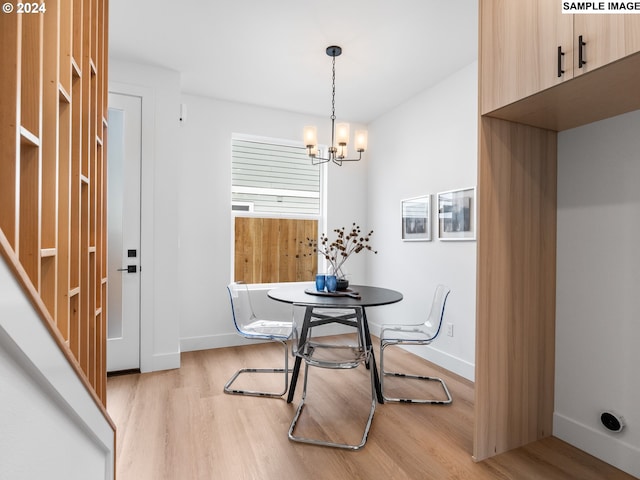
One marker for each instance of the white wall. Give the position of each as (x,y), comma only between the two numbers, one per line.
(50,426)
(194,219)
(205,205)
(598,288)
(161,172)
(425,146)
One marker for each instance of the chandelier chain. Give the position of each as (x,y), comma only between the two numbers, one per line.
(333,91)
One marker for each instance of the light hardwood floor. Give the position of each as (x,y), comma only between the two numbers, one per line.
(179,425)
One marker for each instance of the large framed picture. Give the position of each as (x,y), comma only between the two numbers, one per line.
(457,214)
(416,219)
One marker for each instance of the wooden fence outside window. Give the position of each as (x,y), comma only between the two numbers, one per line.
(273,250)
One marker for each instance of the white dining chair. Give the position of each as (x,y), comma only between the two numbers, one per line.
(311,343)
(254,327)
(415,334)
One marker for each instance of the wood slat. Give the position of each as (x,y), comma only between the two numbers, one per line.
(10,33)
(29,211)
(31,76)
(64,214)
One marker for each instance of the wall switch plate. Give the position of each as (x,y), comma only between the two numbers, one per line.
(450,329)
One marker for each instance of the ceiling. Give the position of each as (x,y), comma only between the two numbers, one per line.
(272,52)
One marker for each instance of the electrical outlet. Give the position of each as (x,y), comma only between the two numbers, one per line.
(450,329)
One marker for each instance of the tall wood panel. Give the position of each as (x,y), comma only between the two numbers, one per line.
(53,75)
(515,330)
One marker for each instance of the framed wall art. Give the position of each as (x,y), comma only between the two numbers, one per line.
(457,214)
(416,219)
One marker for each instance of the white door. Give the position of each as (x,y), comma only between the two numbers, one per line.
(123,210)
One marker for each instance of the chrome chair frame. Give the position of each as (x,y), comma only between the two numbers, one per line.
(394,335)
(253,335)
(305,347)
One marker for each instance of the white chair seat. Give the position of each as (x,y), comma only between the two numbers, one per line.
(405,333)
(268,329)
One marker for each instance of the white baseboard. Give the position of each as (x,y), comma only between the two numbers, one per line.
(608,447)
(443,359)
(166,361)
(205,342)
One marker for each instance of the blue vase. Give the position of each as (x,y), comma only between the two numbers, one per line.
(331,283)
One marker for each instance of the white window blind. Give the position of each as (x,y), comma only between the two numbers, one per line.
(274,177)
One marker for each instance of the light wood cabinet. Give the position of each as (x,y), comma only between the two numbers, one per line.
(519,41)
(531,46)
(53,78)
(592,30)
(607,38)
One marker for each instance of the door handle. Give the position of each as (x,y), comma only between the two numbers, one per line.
(129,269)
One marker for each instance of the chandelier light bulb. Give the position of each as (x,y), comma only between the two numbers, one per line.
(310,136)
(342,134)
(361,140)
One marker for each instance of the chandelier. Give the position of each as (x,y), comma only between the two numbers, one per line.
(337,152)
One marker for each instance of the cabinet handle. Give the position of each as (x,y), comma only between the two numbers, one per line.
(560,55)
(581,60)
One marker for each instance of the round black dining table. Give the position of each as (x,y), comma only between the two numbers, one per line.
(356,296)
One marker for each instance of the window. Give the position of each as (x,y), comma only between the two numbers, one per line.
(273,177)
(276,206)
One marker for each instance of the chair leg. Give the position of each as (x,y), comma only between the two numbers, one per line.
(384,373)
(326,443)
(256,393)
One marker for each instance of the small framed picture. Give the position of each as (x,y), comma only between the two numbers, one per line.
(457,214)
(416,219)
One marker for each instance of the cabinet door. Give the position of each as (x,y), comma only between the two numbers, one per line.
(631,34)
(519,49)
(604,38)
(554,35)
